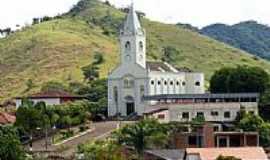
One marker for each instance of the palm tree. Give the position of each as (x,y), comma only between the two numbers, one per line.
(141,135)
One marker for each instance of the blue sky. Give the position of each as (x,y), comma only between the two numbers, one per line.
(195,12)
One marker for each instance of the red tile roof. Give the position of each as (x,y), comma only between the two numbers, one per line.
(244,153)
(6,118)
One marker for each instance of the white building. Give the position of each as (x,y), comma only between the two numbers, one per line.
(135,77)
(216,108)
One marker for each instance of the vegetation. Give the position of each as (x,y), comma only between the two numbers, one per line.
(249,36)
(227,158)
(102,150)
(251,122)
(57,49)
(10,145)
(240,79)
(143,135)
(29,118)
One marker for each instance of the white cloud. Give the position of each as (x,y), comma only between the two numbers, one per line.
(14,12)
(195,12)
(203,12)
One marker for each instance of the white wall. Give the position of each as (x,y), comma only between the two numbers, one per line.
(176,110)
(48,101)
(166,114)
(183,83)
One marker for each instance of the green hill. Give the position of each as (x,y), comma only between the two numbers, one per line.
(249,36)
(57,49)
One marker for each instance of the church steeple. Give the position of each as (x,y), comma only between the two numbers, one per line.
(132,39)
(132,23)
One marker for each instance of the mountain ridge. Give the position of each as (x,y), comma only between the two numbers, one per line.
(249,36)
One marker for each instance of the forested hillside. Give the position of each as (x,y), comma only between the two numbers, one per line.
(249,36)
(57,48)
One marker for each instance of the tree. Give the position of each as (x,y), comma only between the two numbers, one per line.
(29,84)
(99,59)
(28,118)
(169,54)
(10,145)
(239,80)
(227,158)
(35,21)
(102,150)
(144,134)
(90,72)
(251,123)
(53,86)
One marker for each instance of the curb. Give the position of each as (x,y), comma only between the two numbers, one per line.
(74,137)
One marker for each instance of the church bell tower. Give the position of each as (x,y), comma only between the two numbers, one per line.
(132,40)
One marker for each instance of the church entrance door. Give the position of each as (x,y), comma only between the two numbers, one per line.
(130,108)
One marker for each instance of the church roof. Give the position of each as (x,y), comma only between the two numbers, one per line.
(132,23)
(165,67)
(158,66)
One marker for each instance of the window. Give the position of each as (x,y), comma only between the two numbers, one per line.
(185,115)
(214,113)
(177,83)
(161,116)
(197,84)
(216,128)
(142,90)
(171,83)
(251,112)
(128,46)
(159,83)
(183,83)
(200,114)
(165,83)
(153,82)
(141,46)
(115,94)
(128,82)
(227,114)
(192,140)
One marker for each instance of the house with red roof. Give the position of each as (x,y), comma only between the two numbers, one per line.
(243,153)
(50,98)
(6,118)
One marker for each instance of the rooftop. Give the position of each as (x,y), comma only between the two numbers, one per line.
(244,153)
(165,67)
(168,154)
(202,96)
(6,118)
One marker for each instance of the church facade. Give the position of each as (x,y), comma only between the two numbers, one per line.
(135,78)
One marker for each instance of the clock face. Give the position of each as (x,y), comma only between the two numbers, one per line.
(128,58)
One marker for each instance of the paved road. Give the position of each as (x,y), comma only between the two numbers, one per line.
(102,130)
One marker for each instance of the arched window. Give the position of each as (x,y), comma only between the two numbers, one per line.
(183,83)
(171,83)
(128,82)
(141,46)
(198,83)
(165,83)
(127,46)
(115,94)
(142,91)
(153,82)
(159,82)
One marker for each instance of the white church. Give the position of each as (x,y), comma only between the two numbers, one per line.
(135,78)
